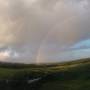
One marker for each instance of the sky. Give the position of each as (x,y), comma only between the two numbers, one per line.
(41,31)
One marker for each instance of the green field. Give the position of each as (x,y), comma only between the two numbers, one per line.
(73,75)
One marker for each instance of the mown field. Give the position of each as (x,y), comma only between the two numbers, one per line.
(73,75)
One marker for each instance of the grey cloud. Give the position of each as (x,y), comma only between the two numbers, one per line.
(35,27)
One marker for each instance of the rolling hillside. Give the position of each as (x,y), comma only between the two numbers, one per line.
(73,75)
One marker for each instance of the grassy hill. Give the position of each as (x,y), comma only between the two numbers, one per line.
(73,75)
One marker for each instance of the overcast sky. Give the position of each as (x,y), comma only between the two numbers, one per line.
(35,31)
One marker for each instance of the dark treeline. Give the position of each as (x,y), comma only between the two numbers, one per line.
(22,65)
(18,65)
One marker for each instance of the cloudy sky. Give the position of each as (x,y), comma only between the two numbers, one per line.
(35,31)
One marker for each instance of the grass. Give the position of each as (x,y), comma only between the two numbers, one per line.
(73,75)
